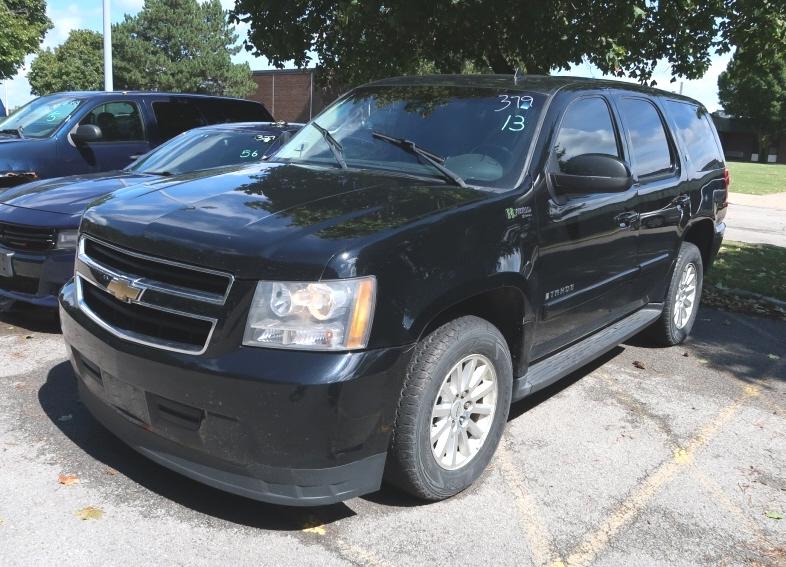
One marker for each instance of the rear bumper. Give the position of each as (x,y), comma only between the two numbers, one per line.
(294,428)
(38,276)
(720,230)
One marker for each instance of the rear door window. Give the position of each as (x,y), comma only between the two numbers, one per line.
(174,117)
(587,128)
(650,147)
(697,134)
(219,111)
(119,121)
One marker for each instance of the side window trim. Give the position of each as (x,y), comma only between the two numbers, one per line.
(142,121)
(674,149)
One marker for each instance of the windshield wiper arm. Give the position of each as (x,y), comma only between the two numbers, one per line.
(334,145)
(432,158)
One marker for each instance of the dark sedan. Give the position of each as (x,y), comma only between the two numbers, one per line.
(39,220)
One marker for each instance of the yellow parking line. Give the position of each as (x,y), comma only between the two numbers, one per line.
(540,542)
(597,541)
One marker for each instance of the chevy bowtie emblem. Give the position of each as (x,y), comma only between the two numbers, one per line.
(123,290)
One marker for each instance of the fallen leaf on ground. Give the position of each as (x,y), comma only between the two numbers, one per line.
(686,354)
(67,479)
(28,336)
(638,364)
(90,513)
(111,472)
(774,515)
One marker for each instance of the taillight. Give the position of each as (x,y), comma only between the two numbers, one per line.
(726,183)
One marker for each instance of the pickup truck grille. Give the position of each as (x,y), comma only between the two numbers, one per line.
(28,238)
(148,300)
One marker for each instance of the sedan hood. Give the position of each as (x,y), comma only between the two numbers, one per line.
(69,195)
(270,220)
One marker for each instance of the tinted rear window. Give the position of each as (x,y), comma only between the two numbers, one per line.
(176,117)
(649,144)
(698,135)
(222,111)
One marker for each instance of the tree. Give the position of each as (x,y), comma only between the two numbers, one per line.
(77,64)
(180,45)
(753,87)
(355,41)
(23,25)
(359,40)
(170,45)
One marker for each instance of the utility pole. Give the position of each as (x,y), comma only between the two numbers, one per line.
(107,49)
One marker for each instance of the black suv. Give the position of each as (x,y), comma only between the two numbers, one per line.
(369,302)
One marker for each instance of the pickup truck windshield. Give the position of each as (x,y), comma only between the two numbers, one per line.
(482,134)
(40,117)
(201,149)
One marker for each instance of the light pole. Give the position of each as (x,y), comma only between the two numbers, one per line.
(107,49)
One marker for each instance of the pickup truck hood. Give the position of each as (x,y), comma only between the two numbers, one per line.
(69,195)
(268,220)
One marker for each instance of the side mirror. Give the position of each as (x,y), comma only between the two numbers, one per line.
(592,173)
(87,133)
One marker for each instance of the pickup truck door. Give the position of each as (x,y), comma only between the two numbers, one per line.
(587,263)
(124,138)
(663,196)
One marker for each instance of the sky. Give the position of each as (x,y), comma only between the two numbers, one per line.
(68,15)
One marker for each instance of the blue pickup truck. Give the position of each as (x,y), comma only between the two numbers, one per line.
(88,132)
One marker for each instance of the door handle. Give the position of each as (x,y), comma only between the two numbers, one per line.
(626,219)
(682,200)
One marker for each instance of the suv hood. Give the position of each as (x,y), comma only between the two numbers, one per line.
(68,195)
(270,220)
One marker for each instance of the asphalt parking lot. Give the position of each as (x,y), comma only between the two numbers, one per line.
(646,457)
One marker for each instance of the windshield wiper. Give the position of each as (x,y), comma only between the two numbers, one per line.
(15,131)
(334,145)
(435,160)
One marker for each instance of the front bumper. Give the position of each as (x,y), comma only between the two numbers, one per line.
(38,276)
(287,427)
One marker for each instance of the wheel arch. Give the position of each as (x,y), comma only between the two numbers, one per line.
(701,233)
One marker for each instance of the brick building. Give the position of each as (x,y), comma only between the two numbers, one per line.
(740,142)
(290,94)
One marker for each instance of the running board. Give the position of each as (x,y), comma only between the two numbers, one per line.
(549,370)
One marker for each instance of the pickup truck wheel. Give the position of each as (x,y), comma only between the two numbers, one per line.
(452,411)
(682,299)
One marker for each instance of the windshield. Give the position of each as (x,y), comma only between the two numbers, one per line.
(483,134)
(202,149)
(40,117)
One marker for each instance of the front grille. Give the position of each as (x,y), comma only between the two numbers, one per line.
(188,279)
(19,284)
(136,320)
(149,300)
(20,237)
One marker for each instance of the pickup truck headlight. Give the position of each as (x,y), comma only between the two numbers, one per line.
(326,315)
(67,239)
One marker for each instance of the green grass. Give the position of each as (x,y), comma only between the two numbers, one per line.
(760,268)
(757,178)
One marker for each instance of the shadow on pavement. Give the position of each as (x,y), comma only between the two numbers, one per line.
(58,396)
(751,348)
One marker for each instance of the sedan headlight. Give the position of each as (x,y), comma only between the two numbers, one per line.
(326,315)
(67,239)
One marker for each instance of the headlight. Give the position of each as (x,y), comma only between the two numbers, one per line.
(326,315)
(67,239)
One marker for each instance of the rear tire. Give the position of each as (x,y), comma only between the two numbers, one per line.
(682,299)
(453,408)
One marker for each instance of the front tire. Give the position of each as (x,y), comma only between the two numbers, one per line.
(452,411)
(682,299)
